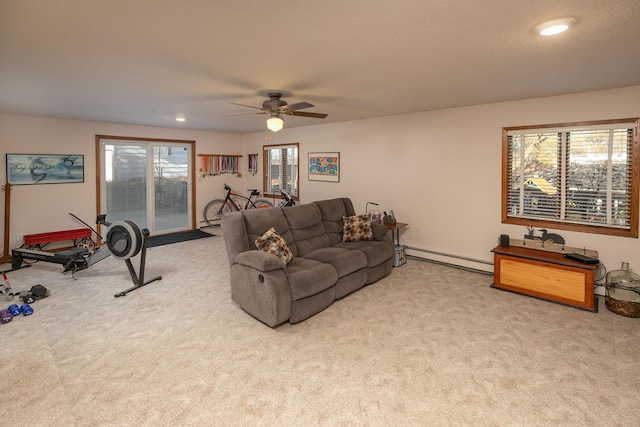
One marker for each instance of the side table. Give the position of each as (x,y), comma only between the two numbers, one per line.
(395,231)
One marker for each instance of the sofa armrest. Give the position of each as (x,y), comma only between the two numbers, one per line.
(263,294)
(379,231)
(260,260)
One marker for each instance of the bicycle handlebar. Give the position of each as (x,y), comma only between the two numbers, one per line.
(284,193)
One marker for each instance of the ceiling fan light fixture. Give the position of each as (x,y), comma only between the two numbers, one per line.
(557,26)
(275,122)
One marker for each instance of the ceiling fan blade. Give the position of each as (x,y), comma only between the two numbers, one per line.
(299,106)
(245,105)
(305,114)
(245,114)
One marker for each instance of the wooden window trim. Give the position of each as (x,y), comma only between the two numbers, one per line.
(266,169)
(584,228)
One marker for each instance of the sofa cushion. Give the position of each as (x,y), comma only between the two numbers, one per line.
(271,242)
(332,213)
(306,307)
(376,252)
(257,221)
(308,277)
(357,228)
(307,229)
(345,261)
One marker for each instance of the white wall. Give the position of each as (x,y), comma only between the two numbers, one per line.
(45,208)
(440,171)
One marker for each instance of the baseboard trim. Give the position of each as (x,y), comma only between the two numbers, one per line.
(476,265)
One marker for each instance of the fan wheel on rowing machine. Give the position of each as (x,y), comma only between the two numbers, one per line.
(124,239)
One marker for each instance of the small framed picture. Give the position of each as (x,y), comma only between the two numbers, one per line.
(324,167)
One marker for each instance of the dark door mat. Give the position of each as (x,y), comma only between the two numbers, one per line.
(184,236)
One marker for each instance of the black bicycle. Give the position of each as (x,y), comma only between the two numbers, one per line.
(215,209)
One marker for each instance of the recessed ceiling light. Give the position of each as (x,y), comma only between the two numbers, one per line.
(554,27)
(180,119)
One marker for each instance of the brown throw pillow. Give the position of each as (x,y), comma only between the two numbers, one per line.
(357,228)
(273,243)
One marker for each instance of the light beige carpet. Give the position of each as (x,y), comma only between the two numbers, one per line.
(428,345)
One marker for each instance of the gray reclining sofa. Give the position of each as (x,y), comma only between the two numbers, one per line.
(323,268)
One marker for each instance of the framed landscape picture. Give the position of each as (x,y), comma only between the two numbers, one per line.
(324,167)
(29,169)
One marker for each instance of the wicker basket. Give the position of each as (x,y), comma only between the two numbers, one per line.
(623,308)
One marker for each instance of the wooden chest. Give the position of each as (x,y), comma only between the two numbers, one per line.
(546,275)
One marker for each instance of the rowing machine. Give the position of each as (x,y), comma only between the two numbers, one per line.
(124,241)
(73,259)
(77,258)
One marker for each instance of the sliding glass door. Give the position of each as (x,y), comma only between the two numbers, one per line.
(148,182)
(171,189)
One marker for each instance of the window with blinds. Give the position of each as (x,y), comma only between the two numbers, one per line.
(580,177)
(281,164)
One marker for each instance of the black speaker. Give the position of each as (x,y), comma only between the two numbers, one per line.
(504,240)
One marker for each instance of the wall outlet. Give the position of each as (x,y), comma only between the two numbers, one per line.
(20,237)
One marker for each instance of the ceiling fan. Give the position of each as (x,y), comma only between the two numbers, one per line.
(275,107)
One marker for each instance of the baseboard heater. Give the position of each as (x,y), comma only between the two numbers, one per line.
(452,259)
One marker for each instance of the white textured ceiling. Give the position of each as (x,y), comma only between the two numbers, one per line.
(147,61)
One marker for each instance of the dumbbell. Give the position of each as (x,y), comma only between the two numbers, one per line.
(8,314)
(25,309)
(5,316)
(14,309)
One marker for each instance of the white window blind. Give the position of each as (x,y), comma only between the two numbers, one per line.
(126,182)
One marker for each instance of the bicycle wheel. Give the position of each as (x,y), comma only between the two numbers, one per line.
(33,248)
(214,210)
(85,243)
(261,204)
